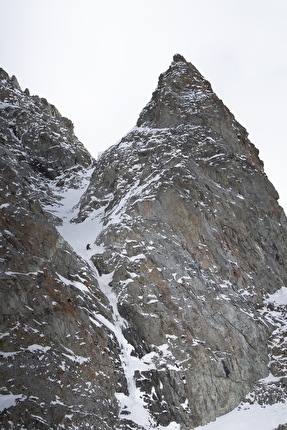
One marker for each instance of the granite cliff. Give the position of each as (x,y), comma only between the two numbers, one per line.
(139,290)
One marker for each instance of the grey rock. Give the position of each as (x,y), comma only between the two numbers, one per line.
(54,358)
(192,201)
(187,241)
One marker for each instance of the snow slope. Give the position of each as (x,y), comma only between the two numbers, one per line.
(250,417)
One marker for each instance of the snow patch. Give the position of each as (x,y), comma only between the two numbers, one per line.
(250,417)
(35,347)
(73,357)
(76,284)
(9,400)
(279,297)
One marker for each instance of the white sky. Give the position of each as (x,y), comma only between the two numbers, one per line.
(98,62)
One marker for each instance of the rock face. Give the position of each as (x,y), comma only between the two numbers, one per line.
(136,290)
(48,293)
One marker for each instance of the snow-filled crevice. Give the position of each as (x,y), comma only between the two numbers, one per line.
(132,405)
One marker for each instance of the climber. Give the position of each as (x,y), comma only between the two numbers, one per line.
(88,246)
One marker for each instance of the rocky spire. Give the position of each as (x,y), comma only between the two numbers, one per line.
(182,94)
(184,98)
(190,222)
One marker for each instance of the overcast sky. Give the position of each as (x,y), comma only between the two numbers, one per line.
(98,62)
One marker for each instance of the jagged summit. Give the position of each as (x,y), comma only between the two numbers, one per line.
(35,130)
(182,93)
(184,99)
(179,58)
(10,81)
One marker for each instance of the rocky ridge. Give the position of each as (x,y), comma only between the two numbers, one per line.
(168,319)
(47,293)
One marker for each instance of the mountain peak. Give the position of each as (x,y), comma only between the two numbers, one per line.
(179,58)
(182,92)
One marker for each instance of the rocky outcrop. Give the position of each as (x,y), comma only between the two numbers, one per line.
(163,320)
(55,361)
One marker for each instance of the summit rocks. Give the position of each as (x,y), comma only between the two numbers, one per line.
(168,320)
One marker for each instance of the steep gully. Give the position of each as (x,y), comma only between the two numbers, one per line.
(79,235)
